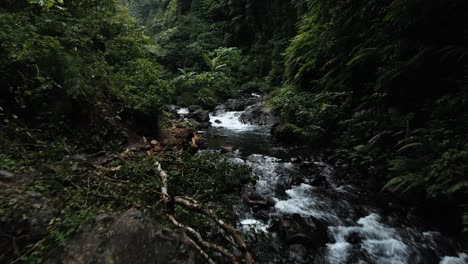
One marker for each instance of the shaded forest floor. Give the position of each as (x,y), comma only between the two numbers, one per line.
(53,191)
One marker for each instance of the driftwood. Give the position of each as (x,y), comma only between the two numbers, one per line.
(195,239)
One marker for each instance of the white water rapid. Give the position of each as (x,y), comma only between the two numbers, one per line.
(357,231)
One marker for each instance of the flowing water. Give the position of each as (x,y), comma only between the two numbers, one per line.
(357,231)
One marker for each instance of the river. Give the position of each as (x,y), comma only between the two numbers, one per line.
(356,230)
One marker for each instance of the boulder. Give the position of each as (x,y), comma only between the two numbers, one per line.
(259,114)
(262,215)
(200,115)
(296,229)
(127,238)
(193,108)
(353,238)
(172,109)
(259,202)
(196,125)
(282,185)
(320,181)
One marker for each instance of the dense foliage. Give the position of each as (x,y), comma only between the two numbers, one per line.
(384,81)
(64,62)
(241,32)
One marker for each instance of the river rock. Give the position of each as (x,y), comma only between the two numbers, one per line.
(259,114)
(320,181)
(353,238)
(282,184)
(260,202)
(295,229)
(129,238)
(262,215)
(193,108)
(172,109)
(200,115)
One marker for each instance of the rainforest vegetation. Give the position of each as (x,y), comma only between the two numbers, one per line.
(381,86)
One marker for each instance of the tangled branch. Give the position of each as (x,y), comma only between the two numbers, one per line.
(194,238)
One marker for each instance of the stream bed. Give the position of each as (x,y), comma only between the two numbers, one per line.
(296,212)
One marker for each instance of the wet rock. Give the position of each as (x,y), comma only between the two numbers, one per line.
(259,202)
(200,115)
(354,238)
(320,181)
(256,196)
(130,238)
(259,114)
(196,125)
(282,185)
(262,215)
(217,121)
(298,179)
(193,108)
(295,229)
(172,109)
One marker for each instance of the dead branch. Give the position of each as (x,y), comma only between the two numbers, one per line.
(228,228)
(200,240)
(193,205)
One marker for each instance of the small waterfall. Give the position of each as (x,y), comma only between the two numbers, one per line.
(230,120)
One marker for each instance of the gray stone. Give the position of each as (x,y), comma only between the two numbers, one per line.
(200,115)
(130,238)
(259,114)
(193,108)
(308,231)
